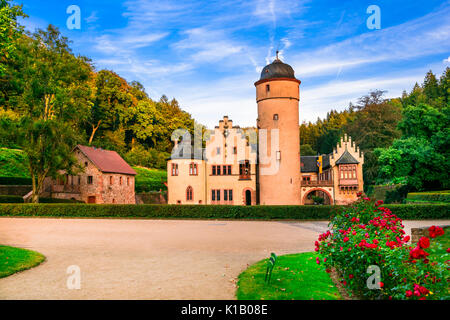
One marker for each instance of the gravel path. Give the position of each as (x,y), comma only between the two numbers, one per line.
(148,259)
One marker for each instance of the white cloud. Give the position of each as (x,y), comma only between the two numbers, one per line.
(447,60)
(92,18)
(207,45)
(417,38)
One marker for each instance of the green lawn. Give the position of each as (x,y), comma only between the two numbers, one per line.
(13,260)
(294,277)
(440,244)
(150,179)
(13,163)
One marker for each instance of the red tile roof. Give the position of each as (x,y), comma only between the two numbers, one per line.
(106,160)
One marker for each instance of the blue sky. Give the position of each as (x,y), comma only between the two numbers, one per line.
(208,54)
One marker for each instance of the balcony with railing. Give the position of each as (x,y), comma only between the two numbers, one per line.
(317,183)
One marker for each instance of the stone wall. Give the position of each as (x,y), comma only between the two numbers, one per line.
(151,198)
(14,190)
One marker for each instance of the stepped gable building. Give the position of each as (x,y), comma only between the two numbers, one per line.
(107,179)
(238,167)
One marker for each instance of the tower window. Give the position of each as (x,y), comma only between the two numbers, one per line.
(275,116)
(174,169)
(267,87)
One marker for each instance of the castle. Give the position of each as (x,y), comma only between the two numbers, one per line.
(264,166)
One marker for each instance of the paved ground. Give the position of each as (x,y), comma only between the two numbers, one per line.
(148,259)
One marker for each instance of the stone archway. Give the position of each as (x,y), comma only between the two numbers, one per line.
(318,192)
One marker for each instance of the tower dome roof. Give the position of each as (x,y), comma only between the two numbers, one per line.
(277,69)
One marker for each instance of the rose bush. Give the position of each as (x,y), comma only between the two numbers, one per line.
(368,234)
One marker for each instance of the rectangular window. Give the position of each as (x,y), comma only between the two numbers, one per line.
(267,87)
(234,150)
(230,195)
(224,170)
(214,170)
(218,170)
(111,180)
(174,169)
(90,179)
(218,195)
(229,170)
(193,169)
(128,181)
(213,195)
(218,150)
(225,195)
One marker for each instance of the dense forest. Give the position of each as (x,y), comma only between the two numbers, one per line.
(405,140)
(52,99)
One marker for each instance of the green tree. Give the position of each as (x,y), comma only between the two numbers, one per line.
(52,98)
(10,31)
(112,99)
(48,145)
(374,125)
(444,86)
(421,157)
(306,150)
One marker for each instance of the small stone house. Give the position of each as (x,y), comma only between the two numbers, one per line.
(107,178)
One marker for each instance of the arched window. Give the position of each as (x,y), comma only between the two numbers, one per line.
(189,193)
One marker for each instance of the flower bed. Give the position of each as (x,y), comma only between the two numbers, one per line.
(368,247)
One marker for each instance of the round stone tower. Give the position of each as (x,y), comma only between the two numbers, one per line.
(277,95)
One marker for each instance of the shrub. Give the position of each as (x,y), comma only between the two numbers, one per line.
(15,181)
(367,234)
(429,197)
(169,211)
(323,212)
(397,195)
(10,199)
(19,199)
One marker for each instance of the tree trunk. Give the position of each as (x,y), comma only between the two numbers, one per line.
(94,129)
(35,195)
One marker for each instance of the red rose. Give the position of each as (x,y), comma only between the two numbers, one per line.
(406,239)
(448,250)
(350,276)
(424,242)
(423,290)
(381,284)
(408,293)
(346,239)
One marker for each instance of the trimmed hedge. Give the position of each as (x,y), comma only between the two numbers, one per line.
(10,199)
(15,181)
(19,199)
(209,211)
(430,197)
